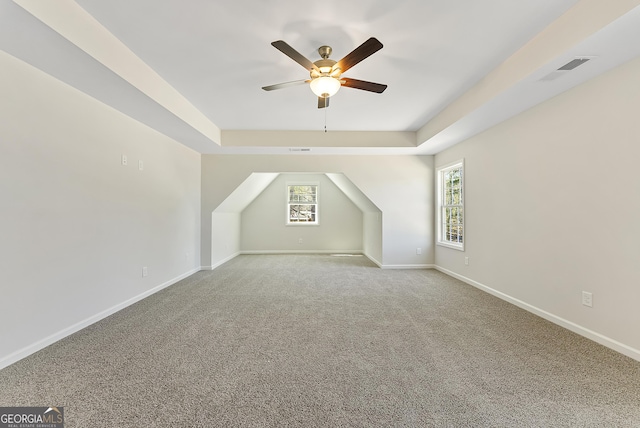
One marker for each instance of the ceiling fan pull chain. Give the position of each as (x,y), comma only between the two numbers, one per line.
(325,119)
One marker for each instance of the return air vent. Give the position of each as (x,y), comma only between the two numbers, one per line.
(573,64)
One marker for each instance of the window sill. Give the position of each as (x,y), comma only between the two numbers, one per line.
(459,247)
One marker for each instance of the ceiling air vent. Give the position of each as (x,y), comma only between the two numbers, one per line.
(573,64)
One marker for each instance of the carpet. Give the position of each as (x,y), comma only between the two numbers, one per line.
(325,341)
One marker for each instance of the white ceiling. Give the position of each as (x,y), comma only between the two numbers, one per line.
(194,70)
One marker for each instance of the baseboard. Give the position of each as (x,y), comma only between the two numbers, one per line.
(43,343)
(221,262)
(258,252)
(380,265)
(421,266)
(373,259)
(383,266)
(578,329)
(301,252)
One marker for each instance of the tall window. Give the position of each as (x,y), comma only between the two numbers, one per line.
(451,205)
(302,204)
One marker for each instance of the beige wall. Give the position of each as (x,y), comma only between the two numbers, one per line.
(77,226)
(264,225)
(400,186)
(552,208)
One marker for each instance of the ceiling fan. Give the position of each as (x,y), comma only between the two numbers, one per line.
(326,74)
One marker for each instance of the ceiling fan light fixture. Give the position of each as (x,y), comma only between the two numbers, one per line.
(325,86)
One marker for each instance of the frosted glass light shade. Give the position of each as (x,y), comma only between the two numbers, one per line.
(325,86)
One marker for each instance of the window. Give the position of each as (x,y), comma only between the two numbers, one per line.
(302,204)
(451,205)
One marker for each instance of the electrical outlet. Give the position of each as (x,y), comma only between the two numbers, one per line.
(124,160)
(418,251)
(300,241)
(145,271)
(466,261)
(587,299)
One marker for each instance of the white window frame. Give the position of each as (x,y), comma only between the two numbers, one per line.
(442,206)
(288,204)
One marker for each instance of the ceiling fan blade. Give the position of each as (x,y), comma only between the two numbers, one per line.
(363,51)
(284,85)
(283,47)
(323,102)
(378,88)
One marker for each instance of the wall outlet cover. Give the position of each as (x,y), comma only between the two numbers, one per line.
(587,299)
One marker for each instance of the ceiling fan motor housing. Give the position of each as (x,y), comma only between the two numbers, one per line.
(326,67)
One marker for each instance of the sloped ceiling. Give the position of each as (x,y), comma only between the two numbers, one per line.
(354,193)
(246,192)
(194,70)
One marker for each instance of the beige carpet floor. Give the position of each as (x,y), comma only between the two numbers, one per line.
(324,341)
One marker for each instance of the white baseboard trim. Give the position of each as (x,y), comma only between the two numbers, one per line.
(221,262)
(253,252)
(373,259)
(268,252)
(407,266)
(578,329)
(43,343)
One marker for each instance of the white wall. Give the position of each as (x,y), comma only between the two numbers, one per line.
(400,186)
(264,225)
(226,219)
(225,233)
(371,217)
(552,208)
(77,227)
(372,236)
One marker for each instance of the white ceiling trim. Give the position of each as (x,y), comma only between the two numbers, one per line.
(72,22)
(507,90)
(606,31)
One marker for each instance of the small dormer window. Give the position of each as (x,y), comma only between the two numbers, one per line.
(302,204)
